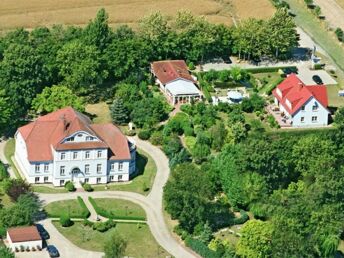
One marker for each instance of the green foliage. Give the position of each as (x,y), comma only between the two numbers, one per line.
(14,188)
(270,69)
(339,117)
(85,212)
(242,219)
(200,248)
(6,252)
(115,246)
(272,122)
(103,226)
(340,34)
(144,135)
(56,97)
(252,104)
(87,187)
(69,186)
(119,112)
(65,220)
(172,145)
(3,172)
(157,138)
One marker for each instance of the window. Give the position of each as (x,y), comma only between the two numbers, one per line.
(87,155)
(315,107)
(63,155)
(87,169)
(46,167)
(61,182)
(37,168)
(79,135)
(314,119)
(303,108)
(98,180)
(89,138)
(120,178)
(120,166)
(86,180)
(112,166)
(111,178)
(71,139)
(302,119)
(75,155)
(36,180)
(99,168)
(99,154)
(46,179)
(62,170)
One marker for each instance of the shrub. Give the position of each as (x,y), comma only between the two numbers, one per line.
(87,187)
(191,66)
(104,226)
(200,248)
(3,172)
(144,135)
(272,122)
(156,138)
(273,85)
(318,66)
(130,133)
(85,212)
(340,34)
(65,220)
(87,223)
(242,219)
(69,186)
(270,69)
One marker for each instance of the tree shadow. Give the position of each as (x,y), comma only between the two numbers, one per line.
(141,163)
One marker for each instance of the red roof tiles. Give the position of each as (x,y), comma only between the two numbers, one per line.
(48,132)
(170,70)
(24,234)
(297,94)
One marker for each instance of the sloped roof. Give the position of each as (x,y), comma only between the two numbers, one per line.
(170,70)
(181,87)
(297,93)
(49,131)
(24,234)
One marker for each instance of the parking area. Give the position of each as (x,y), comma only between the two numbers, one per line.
(306,76)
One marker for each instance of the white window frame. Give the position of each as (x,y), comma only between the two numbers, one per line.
(86,180)
(120,166)
(62,182)
(75,155)
(111,178)
(87,154)
(62,170)
(314,119)
(46,168)
(99,168)
(87,168)
(89,138)
(46,179)
(99,179)
(99,154)
(120,177)
(112,166)
(63,156)
(37,168)
(302,119)
(37,179)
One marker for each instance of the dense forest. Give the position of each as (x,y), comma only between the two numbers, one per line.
(40,68)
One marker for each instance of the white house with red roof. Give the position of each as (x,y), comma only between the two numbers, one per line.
(175,81)
(65,146)
(302,105)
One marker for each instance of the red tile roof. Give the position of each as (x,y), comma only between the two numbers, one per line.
(170,70)
(297,93)
(48,132)
(24,234)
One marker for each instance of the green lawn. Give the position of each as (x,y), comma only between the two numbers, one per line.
(140,241)
(71,207)
(333,98)
(313,26)
(100,111)
(46,189)
(9,152)
(120,208)
(146,170)
(266,80)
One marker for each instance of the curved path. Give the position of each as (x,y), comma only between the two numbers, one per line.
(152,203)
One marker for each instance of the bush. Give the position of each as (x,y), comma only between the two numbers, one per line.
(156,138)
(242,219)
(191,66)
(69,186)
(130,133)
(87,223)
(201,248)
(270,69)
(85,212)
(87,187)
(340,34)
(65,220)
(144,135)
(272,122)
(104,226)
(3,172)
(273,85)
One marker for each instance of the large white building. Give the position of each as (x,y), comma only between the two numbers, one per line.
(65,146)
(302,105)
(175,81)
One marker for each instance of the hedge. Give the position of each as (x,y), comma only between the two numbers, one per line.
(109,215)
(273,85)
(201,248)
(269,69)
(85,212)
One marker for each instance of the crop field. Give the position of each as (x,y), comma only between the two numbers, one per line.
(32,13)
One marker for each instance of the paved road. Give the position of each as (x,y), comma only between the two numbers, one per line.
(334,13)
(152,204)
(4,160)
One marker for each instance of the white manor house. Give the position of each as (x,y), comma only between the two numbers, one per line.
(65,146)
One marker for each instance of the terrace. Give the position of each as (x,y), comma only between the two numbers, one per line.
(282,119)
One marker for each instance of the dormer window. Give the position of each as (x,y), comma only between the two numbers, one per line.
(89,138)
(79,135)
(71,139)
(315,107)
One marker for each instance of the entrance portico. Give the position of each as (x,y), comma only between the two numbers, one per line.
(77,177)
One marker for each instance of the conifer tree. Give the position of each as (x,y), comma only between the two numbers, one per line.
(119,113)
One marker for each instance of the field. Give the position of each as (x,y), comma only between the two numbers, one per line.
(29,14)
(141,243)
(341,3)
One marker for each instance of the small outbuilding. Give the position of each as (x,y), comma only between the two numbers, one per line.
(24,238)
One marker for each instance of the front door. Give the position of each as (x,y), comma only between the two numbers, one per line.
(77,175)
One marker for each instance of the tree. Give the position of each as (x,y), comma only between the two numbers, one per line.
(330,245)
(119,113)
(339,117)
(57,97)
(6,252)
(98,32)
(80,65)
(255,240)
(16,188)
(218,134)
(115,246)
(3,172)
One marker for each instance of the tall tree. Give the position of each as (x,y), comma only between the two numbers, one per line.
(115,246)
(119,113)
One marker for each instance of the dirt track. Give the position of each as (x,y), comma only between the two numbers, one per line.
(333,12)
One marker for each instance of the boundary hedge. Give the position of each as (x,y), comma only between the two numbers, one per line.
(109,215)
(200,248)
(269,69)
(85,212)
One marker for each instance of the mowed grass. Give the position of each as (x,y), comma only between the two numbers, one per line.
(33,13)
(142,181)
(71,207)
(141,243)
(9,153)
(100,111)
(48,189)
(120,208)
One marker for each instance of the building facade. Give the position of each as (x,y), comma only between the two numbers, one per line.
(302,105)
(65,146)
(24,238)
(175,81)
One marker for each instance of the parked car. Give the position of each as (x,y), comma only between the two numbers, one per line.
(53,252)
(44,234)
(317,79)
(289,70)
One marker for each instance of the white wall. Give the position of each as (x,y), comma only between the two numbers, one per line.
(321,114)
(29,244)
